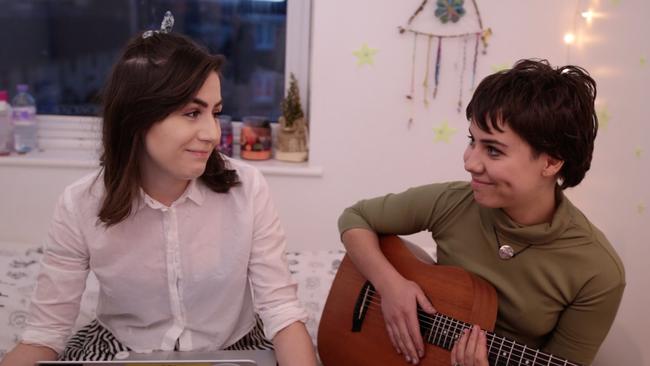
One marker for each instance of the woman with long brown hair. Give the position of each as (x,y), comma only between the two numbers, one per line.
(185,243)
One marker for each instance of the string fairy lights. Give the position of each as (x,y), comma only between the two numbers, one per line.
(575,37)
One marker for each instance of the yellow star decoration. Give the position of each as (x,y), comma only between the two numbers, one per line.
(444,132)
(637,152)
(643,61)
(365,55)
(615,2)
(499,67)
(640,208)
(603,117)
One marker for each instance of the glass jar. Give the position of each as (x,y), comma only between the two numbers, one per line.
(255,138)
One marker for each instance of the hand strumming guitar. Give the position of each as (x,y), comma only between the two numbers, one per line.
(399,300)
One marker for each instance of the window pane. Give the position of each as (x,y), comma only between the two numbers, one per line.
(64,49)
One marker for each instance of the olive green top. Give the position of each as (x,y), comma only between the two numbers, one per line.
(561,294)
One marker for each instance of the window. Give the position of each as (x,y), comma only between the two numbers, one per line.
(64,49)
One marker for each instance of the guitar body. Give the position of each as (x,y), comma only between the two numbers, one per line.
(453,292)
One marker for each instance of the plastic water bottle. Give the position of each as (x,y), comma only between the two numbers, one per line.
(5,124)
(24,118)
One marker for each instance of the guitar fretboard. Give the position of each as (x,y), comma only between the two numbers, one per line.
(443,331)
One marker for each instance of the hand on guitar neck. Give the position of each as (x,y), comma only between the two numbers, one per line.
(471,348)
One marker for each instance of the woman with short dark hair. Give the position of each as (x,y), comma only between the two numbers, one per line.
(559,281)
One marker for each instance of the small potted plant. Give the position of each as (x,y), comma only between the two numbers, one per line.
(293,132)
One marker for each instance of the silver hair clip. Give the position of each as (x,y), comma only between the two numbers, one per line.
(165,27)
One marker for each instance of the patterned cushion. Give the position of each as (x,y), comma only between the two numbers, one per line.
(314,272)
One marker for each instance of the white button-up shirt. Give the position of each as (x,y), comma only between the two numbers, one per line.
(182,273)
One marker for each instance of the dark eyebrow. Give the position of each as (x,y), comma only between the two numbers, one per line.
(489,141)
(203,103)
(494,142)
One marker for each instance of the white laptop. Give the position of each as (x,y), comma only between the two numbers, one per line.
(189,358)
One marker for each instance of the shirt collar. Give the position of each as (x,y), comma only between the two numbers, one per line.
(194,192)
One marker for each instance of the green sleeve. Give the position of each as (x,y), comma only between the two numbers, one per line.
(414,210)
(583,325)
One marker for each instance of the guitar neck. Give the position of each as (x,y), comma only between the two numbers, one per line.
(443,331)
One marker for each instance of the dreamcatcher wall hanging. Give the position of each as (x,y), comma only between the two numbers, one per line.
(446,12)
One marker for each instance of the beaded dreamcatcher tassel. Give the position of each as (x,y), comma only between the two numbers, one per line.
(462,76)
(436,79)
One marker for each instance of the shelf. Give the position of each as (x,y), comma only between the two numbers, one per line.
(88,159)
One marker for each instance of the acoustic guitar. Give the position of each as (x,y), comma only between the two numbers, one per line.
(352,331)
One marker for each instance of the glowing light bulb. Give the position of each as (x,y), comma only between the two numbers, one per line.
(588,15)
(569,38)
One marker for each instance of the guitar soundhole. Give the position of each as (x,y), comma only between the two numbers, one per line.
(361,307)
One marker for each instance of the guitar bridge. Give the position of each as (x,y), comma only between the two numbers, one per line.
(361,306)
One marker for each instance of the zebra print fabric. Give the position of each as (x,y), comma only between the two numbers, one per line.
(96,343)
(92,343)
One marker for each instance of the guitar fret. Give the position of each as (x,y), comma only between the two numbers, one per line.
(448,338)
(431,329)
(510,353)
(491,341)
(447,331)
(453,331)
(434,330)
(523,353)
(443,328)
(442,332)
(451,334)
(496,362)
(543,361)
(460,327)
(461,330)
(443,336)
(436,322)
(535,358)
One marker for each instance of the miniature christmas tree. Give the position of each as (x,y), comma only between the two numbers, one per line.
(293,137)
(291,107)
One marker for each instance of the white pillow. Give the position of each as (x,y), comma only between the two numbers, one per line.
(19,266)
(314,271)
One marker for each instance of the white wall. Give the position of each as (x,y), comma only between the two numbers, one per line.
(361,139)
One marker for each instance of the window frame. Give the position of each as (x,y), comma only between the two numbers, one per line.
(297,61)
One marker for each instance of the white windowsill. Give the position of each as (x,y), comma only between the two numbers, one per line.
(88,159)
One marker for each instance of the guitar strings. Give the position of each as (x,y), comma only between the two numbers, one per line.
(457,327)
(494,354)
(539,358)
(446,339)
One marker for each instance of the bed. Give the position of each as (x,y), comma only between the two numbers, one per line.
(19,264)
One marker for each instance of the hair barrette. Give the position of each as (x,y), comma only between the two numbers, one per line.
(165,27)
